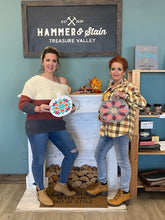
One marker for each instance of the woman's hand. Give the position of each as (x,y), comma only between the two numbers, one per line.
(103,121)
(73,109)
(117,93)
(42,108)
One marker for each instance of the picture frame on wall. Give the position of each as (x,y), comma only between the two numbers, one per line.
(146,57)
(77,28)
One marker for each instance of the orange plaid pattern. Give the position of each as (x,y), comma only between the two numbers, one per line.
(135,101)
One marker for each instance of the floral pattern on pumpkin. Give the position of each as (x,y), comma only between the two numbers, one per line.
(61,106)
(114,110)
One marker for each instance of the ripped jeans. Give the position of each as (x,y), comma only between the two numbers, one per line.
(63,141)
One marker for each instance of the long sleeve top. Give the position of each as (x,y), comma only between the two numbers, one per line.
(39,90)
(134,100)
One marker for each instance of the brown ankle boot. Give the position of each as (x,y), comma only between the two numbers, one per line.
(44,198)
(120,198)
(61,188)
(98,189)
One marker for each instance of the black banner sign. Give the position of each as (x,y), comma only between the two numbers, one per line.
(75,29)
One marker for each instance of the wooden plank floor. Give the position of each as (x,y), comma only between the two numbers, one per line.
(12,178)
(148,206)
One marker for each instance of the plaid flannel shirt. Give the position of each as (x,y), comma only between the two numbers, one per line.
(134,100)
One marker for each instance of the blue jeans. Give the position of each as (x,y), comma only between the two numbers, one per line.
(121,145)
(63,141)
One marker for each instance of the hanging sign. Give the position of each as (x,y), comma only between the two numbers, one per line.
(79,28)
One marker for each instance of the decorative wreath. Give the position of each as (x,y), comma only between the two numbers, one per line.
(114,110)
(61,106)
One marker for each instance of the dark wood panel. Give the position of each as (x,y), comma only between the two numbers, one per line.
(75,28)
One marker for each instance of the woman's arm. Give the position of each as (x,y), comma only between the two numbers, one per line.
(26,105)
(132,95)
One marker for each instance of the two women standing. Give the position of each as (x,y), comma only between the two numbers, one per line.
(41,126)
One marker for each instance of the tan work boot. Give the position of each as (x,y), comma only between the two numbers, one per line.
(44,198)
(98,189)
(61,188)
(120,198)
